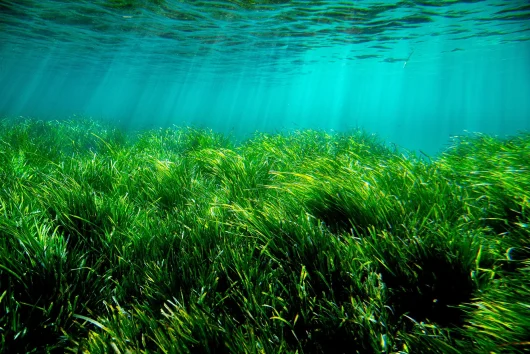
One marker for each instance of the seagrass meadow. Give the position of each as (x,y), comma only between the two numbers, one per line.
(183,240)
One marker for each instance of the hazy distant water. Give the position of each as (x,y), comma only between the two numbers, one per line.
(415,72)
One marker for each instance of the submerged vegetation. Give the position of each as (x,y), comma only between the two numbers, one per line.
(180,240)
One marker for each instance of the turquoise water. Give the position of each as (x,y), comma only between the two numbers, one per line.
(414,72)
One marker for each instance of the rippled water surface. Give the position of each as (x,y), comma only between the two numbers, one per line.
(271,34)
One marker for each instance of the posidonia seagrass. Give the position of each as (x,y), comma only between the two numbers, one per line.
(181,240)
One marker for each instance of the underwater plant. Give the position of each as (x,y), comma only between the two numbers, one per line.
(181,240)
